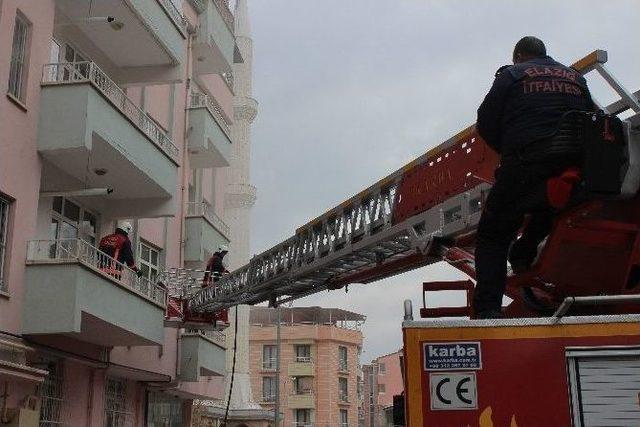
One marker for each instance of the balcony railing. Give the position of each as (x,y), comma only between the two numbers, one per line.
(77,250)
(343,397)
(302,424)
(199,100)
(176,16)
(343,366)
(303,392)
(204,210)
(89,72)
(304,359)
(225,12)
(269,398)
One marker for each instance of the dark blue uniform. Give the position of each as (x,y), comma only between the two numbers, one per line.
(517,118)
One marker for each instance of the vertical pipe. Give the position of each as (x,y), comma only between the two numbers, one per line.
(276,409)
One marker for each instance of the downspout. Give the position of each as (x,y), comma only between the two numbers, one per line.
(184,184)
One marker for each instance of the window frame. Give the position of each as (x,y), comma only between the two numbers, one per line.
(343,392)
(272,360)
(343,363)
(344,417)
(120,404)
(142,263)
(19,61)
(271,380)
(382,368)
(81,232)
(5,216)
(306,355)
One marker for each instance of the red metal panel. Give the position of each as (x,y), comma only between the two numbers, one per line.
(450,169)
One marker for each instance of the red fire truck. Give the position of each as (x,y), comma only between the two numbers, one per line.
(569,353)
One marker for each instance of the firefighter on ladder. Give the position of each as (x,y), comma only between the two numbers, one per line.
(215,266)
(518,119)
(118,246)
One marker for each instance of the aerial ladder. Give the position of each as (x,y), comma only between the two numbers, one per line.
(427,212)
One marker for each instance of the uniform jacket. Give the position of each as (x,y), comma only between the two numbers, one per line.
(118,242)
(526,102)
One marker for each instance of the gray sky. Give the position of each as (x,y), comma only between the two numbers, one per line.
(350,90)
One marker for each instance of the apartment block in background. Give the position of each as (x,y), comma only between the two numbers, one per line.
(382,379)
(319,364)
(112,110)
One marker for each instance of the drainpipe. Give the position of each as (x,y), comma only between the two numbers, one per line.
(184,184)
(92,375)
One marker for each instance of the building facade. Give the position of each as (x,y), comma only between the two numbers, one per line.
(114,110)
(382,380)
(315,381)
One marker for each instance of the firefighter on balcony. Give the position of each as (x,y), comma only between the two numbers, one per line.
(518,119)
(215,267)
(118,246)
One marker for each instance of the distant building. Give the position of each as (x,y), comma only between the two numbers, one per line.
(382,379)
(320,372)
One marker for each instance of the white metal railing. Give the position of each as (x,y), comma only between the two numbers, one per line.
(176,16)
(205,210)
(303,392)
(269,398)
(225,12)
(200,100)
(77,250)
(89,72)
(304,359)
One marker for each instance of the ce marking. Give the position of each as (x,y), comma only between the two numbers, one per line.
(454,390)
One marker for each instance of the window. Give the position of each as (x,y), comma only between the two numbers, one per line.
(51,395)
(382,369)
(343,390)
(70,221)
(115,408)
(303,353)
(342,359)
(149,261)
(4,227)
(269,357)
(303,417)
(268,389)
(18,68)
(344,418)
(164,410)
(381,388)
(302,385)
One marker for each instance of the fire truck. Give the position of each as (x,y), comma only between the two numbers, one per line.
(568,353)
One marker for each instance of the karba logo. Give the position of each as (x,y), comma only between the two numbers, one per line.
(469,350)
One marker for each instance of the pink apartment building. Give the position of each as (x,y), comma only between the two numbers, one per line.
(113,109)
(382,380)
(319,380)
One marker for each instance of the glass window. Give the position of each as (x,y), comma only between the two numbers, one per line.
(303,416)
(269,355)
(344,418)
(342,358)
(343,389)
(66,222)
(269,389)
(18,67)
(4,227)
(382,369)
(163,410)
(51,396)
(116,408)
(149,257)
(303,352)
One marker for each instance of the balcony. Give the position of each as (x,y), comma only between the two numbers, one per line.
(302,400)
(214,48)
(301,367)
(94,136)
(201,355)
(210,133)
(205,232)
(158,28)
(73,289)
(343,398)
(269,364)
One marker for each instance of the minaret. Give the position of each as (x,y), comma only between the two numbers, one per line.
(240,197)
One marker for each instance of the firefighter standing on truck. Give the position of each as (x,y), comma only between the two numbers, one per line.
(118,246)
(518,118)
(215,267)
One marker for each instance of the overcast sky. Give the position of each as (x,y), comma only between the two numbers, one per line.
(350,90)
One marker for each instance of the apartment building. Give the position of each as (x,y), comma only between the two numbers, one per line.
(316,379)
(382,380)
(113,109)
